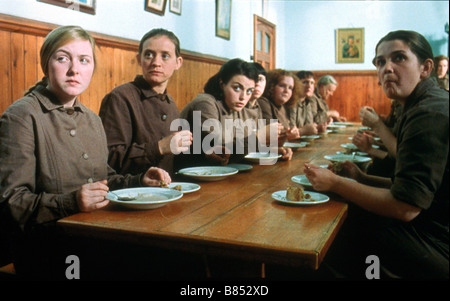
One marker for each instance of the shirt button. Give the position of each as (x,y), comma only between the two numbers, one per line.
(163,117)
(73,133)
(90,180)
(85,156)
(70,111)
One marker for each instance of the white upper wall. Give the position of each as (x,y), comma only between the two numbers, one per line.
(305,29)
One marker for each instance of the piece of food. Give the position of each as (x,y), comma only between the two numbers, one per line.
(163,184)
(295,193)
(335,167)
(177,187)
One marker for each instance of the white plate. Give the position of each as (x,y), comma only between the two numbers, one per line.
(343,123)
(146,197)
(335,126)
(265,158)
(349,146)
(295,144)
(185,187)
(373,145)
(362,154)
(240,167)
(342,158)
(208,173)
(301,179)
(317,197)
(309,137)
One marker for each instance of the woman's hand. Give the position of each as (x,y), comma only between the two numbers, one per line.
(322,127)
(175,143)
(363,142)
(309,129)
(219,154)
(321,179)
(293,133)
(154,176)
(351,170)
(91,196)
(369,117)
(286,153)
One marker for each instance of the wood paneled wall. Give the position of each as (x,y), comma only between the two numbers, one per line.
(21,40)
(356,89)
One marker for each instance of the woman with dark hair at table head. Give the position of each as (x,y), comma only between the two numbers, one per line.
(53,156)
(405,220)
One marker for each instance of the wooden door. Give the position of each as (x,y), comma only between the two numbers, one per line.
(264,42)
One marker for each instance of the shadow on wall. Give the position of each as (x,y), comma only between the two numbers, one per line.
(438,45)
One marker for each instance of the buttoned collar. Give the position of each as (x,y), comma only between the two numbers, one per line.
(147,91)
(50,102)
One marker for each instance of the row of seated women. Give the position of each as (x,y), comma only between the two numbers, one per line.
(58,158)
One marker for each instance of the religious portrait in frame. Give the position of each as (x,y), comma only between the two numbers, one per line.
(350,45)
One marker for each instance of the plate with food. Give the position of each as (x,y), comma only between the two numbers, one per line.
(240,167)
(265,158)
(184,187)
(344,123)
(351,158)
(349,146)
(309,137)
(296,144)
(363,154)
(296,195)
(144,197)
(208,173)
(333,126)
(301,179)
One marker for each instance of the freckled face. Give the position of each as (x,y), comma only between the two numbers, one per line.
(237,92)
(70,70)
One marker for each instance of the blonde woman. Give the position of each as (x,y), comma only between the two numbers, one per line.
(53,154)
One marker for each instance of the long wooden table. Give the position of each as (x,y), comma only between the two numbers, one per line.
(234,217)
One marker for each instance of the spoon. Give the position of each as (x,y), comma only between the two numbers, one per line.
(123,198)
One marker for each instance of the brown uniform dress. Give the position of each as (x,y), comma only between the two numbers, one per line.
(47,152)
(135,118)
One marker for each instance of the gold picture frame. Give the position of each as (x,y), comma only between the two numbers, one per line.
(223,18)
(85,6)
(156,6)
(175,6)
(350,45)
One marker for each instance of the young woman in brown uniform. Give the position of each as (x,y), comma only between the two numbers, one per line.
(137,115)
(405,220)
(53,155)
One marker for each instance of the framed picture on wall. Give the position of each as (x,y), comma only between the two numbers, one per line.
(156,6)
(223,18)
(175,6)
(350,45)
(85,6)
